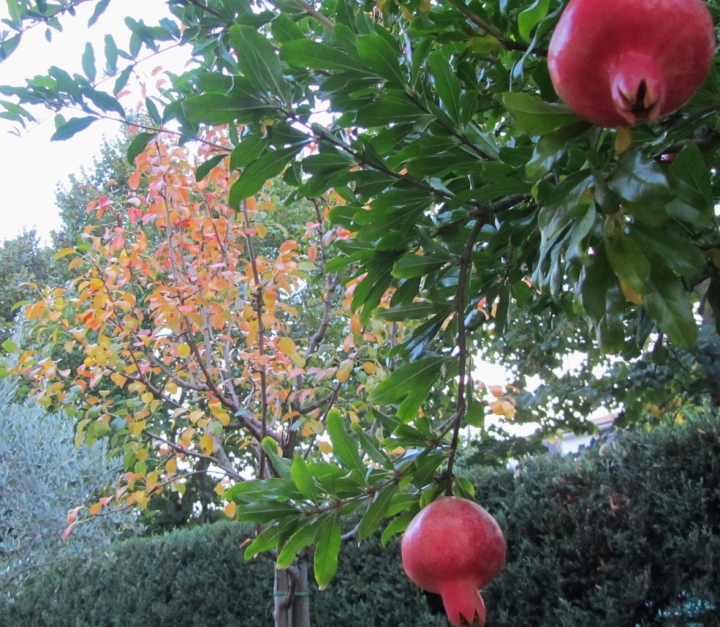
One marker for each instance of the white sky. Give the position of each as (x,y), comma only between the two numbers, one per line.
(32,165)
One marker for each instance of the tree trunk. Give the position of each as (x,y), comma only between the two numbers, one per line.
(292,601)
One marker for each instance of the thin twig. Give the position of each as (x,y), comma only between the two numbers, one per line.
(460,302)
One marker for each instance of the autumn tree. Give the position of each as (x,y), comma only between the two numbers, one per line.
(449,193)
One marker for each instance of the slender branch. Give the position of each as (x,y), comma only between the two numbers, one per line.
(210,10)
(221,461)
(331,400)
(260,334)
(460,303)
(312,12)
(508,44)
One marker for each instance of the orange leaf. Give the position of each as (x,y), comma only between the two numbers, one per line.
(95,508)
(230,510)
(134,181)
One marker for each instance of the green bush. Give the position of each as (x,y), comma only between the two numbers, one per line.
(625,535)
(198,577)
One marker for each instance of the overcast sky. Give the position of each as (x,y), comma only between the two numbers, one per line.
(32,165)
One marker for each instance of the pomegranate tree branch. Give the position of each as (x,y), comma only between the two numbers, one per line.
(507,43)
(460,304)
(260,333)
(199,5)
(310,11)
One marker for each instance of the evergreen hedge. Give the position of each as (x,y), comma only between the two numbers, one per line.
(623,535)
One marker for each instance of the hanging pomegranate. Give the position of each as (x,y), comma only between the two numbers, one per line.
(623,62)
(453,547)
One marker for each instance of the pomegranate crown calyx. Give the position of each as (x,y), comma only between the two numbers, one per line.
(638,88)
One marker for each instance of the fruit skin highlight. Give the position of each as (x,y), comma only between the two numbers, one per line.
(623,62)
(453,547)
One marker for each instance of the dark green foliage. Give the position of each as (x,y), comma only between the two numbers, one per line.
(22,263)
(199,577)
(625,535)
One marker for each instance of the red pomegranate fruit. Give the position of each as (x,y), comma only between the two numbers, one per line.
(453,547)
(623,62)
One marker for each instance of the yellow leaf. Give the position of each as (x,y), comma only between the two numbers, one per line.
(171,465)
(261,229)
(135,428)
(206,444)
(187,436)
(196,415)
(344,370)
(183,351)
(34,311)
(78,261)
(306,431)
(325,447)
(219,489)
(141,455)
(118,379)
(64,253)
(287,346)
(147,397)
(95,508)
(623,139)
(230,510)
(369,367)
(634,297)
(223,418)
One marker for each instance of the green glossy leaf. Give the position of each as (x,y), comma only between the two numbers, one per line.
(531,17)
(111,55)
(104,102)
(329,541)
(269,538)
(304,481)
(248,150)
(258,60)
(10,347)
(88,62)
(412,265)
(280,464)
(284,29)
(536,117)
(446,84)
(397,107)
(376,511)
(381,57)
(551,148)
(398,525)
(669,247)
(412,382)
(304,535)
(669,307)
(204,168)
(8,46)
(220,109)
(643,186)
(370,446)
(138,145)
(98,11)
(317,56)
(404,311)
(264,511)
(71,127)
(263,169)
(603,300)
(628,261)
(344,446)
